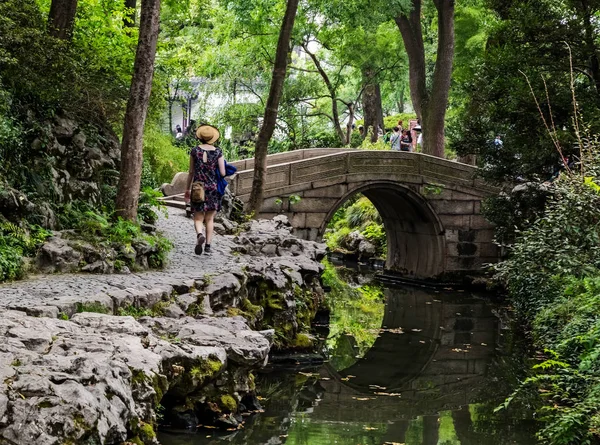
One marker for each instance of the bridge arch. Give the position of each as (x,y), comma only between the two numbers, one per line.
(415,234)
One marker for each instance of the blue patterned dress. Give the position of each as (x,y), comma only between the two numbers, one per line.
(207,174)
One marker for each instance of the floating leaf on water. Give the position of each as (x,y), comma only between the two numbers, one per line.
(483,344)
(422,341)
(416,330)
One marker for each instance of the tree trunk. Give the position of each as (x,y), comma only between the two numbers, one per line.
(171,116)
(62,18)
(401,104)
(372,109)
(332,93)
(137,108)
(350,123)
(270,117)
(430,103)
(129,19)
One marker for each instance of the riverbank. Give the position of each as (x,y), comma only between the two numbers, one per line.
(99,358)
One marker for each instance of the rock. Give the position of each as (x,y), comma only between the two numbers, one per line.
(93,377)
(14,204)
(366,249)
(56,255)
(223,290)
(173,311)
(182,418)
(64,128)
(243,345)
(37,311)
(177,185)
(220,229)
(97,267)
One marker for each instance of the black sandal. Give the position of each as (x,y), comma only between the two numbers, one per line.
(199,243)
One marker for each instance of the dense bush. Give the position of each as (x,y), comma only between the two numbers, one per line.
(553,277)
(564,242)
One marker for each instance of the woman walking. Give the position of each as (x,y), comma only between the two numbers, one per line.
(204,161)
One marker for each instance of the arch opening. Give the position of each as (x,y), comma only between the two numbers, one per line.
(415,235)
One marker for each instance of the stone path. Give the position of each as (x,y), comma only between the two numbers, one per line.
(184,266)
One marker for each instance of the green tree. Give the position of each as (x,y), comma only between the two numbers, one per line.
(272,105)
(135,115)
(430,97)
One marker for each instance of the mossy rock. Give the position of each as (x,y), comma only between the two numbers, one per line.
(228,404)
(302,341)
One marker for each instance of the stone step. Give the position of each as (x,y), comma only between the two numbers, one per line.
(174,203)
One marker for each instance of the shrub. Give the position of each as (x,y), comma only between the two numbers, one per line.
(17,243)
(553,277)
(564,242)
(164,159)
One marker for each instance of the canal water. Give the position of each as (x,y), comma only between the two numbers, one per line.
(406,365)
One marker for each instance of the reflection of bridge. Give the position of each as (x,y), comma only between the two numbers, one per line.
(438,364)
(444,345)
(431,207)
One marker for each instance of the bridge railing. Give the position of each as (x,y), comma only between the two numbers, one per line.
(289,156)
(285,174)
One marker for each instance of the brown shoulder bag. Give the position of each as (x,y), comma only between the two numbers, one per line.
(197,195)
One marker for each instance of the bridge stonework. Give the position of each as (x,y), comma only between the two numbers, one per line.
(431,207)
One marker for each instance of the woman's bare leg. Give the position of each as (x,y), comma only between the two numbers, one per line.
(198,222)
(210,224)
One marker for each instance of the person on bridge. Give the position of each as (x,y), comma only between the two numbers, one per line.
(205,159)
(395,139)
(405,141)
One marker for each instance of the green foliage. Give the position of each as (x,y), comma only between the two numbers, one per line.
(162,157)
(564,242)
(149,205)
(16,244)
(101,229)
(491,94)
(357,214)
(553,276)
(392,121)
(356,317)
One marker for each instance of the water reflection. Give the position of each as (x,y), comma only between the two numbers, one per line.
(407,365)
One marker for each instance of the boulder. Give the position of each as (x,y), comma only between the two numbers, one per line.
(98,378)
(56,255)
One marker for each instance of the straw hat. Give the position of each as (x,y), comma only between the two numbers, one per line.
(208,134)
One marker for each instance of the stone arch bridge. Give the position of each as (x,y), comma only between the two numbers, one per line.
(431,207)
